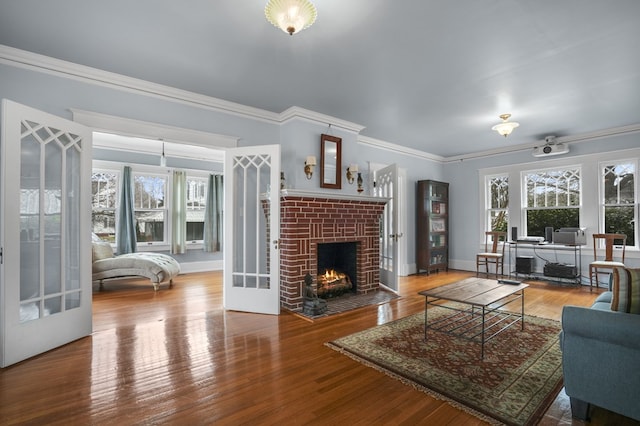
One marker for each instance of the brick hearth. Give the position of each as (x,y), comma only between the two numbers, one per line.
(307,220)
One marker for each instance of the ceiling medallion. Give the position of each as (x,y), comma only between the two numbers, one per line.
(291,16)
(506,127)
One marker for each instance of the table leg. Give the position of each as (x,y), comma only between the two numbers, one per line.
(522,310)
(482,342)
(426,304)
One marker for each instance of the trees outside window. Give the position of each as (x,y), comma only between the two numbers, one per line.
(149,207)
(498,203)
(104,186)
(552,198)
(152,199)
(618,201)
(196,202)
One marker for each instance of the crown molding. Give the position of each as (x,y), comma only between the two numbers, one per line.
(60,68)
(296,112)
(45,64)
(388,146)
(572,139)
(145,129)
(614,131)
(52,66)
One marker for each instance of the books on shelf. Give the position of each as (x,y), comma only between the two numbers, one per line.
(438,240)
(437,225)
(438,207)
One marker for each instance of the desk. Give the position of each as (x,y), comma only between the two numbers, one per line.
(576,250)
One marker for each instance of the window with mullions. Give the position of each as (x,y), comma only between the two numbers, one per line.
(552,198)
(104,186)
(497,203)
(149,207)
(618,202)
(196,202)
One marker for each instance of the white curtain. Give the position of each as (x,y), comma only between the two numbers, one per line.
(179,213)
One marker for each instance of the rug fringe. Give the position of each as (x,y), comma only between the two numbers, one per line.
(416,386)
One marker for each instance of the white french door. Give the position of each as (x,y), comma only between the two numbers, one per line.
(252,229)
(45,276)
(387,186)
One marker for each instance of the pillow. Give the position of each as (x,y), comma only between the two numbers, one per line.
(626,290)
(101,250)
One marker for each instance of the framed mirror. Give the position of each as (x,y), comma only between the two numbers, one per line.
(330,161)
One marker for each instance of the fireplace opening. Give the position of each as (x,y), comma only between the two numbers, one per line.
(337,269)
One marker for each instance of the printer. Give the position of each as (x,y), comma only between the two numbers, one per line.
(570,236)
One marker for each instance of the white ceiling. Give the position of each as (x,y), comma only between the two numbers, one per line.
(429,75)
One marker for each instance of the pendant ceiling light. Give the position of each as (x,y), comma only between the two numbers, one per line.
(506,127)
(291,16)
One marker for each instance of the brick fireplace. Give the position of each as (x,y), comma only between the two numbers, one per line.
(308,219)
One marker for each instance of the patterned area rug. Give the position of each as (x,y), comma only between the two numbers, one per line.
(520,376)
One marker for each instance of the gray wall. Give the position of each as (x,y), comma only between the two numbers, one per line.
(466,214)
(298,138)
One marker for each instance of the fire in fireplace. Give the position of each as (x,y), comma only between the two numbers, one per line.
(332,283)
(337,269)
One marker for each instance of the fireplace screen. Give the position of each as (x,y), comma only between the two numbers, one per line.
(336,269)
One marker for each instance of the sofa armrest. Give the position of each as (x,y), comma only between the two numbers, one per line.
(615,328)
(601,358)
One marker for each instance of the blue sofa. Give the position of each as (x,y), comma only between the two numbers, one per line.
(601,358)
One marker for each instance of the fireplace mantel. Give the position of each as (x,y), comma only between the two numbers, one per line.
(310,218)
(285,193)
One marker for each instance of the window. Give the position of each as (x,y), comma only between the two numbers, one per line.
(196,202)
(152,188)
(552,198)
(498,203)
(103,204)
(619,199)
(149,207)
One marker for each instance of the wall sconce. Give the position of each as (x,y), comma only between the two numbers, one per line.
(309,165)
(352,170)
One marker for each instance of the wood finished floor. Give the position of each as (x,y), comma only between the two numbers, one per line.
(176,357)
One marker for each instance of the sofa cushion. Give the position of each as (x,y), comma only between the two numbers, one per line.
(626,290)
(602,306)
(604,297)
(101,250)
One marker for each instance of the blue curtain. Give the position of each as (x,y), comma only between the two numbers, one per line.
(179,213)
(126,220)
(213,219)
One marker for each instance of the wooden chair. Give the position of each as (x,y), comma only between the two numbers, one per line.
(493,252)
(608,263)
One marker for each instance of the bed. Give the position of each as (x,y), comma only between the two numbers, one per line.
(158,267)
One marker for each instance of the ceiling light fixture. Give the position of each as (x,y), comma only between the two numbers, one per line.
(506,127)
(291,16)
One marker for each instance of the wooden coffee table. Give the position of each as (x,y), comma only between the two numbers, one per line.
(480,317)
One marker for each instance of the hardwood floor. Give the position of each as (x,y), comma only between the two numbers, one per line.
(176,357)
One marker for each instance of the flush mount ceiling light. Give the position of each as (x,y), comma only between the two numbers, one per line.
(506,127)
(291,16)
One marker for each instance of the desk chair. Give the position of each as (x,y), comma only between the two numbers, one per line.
(608,263)
(493,253)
